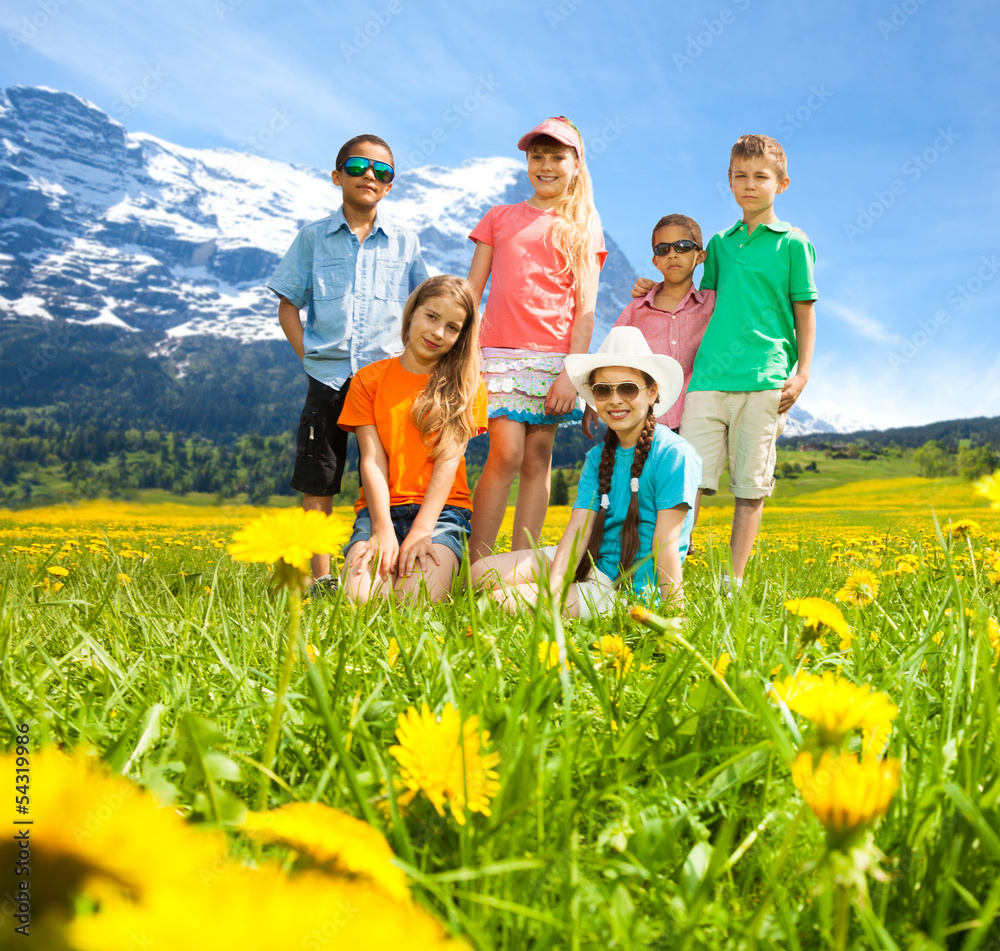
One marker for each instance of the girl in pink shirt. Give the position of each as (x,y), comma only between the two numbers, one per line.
(544,255)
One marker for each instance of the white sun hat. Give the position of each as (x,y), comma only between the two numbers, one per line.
(627,347)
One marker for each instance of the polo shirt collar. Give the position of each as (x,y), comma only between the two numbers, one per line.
(776,226)
(338,221)
(695,292)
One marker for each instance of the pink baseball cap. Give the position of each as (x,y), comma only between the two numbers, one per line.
(559,128)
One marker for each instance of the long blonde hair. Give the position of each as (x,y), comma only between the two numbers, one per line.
(444,409)
(577,220)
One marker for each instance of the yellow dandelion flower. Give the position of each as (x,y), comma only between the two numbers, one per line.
(94,831)
(549,654)
(965,528)
(860,588)
(312,652)
(57,570)
(442,757)
(722,663)
(845,794)
(993,633)
(817,613)
(989,487)
(392,652)
(875,738)
(834,704)
(291,536)
(123,578)
(614,652)
(333,840)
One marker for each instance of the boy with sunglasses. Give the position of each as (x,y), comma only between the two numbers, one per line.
(764,324)
(353,271)
(673,314)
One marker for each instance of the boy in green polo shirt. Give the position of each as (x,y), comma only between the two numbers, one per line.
(764,324)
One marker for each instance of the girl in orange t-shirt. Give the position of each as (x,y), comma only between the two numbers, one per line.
(413,416)
(544,256)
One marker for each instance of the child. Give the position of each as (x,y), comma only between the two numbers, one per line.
(764,323)
(634,503)
(544,255)
(673,314)
(413,416)
(353,271)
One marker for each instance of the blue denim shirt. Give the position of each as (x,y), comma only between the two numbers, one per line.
(355,292)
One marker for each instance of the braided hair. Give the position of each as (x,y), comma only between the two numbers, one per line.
(630,528)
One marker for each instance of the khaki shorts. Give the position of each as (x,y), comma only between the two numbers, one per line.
(743,426)
(596,594)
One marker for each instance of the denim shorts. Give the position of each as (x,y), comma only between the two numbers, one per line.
(453,527)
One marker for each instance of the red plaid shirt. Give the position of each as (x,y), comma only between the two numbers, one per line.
(676,334)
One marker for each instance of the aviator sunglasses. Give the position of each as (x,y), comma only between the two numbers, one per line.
(357,165)
(679,246)
(627,391)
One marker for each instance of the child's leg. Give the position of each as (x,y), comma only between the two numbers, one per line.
(533,488)
(324,504)
(489,503)
(362,587)
(746,524)
(511,567)
(437,579)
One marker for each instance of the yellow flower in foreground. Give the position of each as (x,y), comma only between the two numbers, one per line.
(834,704)
(333,840)
(989,487)
(392,652)
(875,738)
(965,528)
(818,613)
(57,570)
(722,663)
(860,588)
(993,633)
(123,578)
(442,757)
(844,794)
(614,652)
(290,535)
(549,654)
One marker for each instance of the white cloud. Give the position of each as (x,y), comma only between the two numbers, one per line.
(859,321)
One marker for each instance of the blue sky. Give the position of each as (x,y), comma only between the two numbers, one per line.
(889,111)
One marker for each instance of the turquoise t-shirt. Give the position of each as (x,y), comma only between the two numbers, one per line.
(750,340)
(670,477)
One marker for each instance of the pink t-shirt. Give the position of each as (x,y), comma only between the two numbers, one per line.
(531,304)
(676,334)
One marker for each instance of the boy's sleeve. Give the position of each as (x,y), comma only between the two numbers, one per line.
(802,258)
(587,496)
(710,276)
(418,270)
(484,230)
(359,405)
(680,468)
(292,278)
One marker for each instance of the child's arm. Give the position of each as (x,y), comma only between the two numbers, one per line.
(291,325)
(374,469)
(561,397)
(417,550)
(578,530)
(667,555)
(479,269)
(805,340)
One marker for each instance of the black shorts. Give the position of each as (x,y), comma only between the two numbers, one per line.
(321,445)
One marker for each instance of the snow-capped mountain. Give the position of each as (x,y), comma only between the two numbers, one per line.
(102,226)
(824,417)
(123,231)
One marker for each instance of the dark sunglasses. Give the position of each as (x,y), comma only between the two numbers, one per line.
(627,391)
(357,165)
(679,246)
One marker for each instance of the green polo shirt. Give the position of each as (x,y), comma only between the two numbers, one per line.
(750,340)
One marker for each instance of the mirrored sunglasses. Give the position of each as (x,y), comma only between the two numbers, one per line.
(357,165)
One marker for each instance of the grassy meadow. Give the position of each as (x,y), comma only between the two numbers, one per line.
(622,786)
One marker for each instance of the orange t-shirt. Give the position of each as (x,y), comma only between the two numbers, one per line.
(382,395)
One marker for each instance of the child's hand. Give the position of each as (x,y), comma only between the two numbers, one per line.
(643,285)
(589,422)
(382,552)
(790,392)
(416,553)
(561,397)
